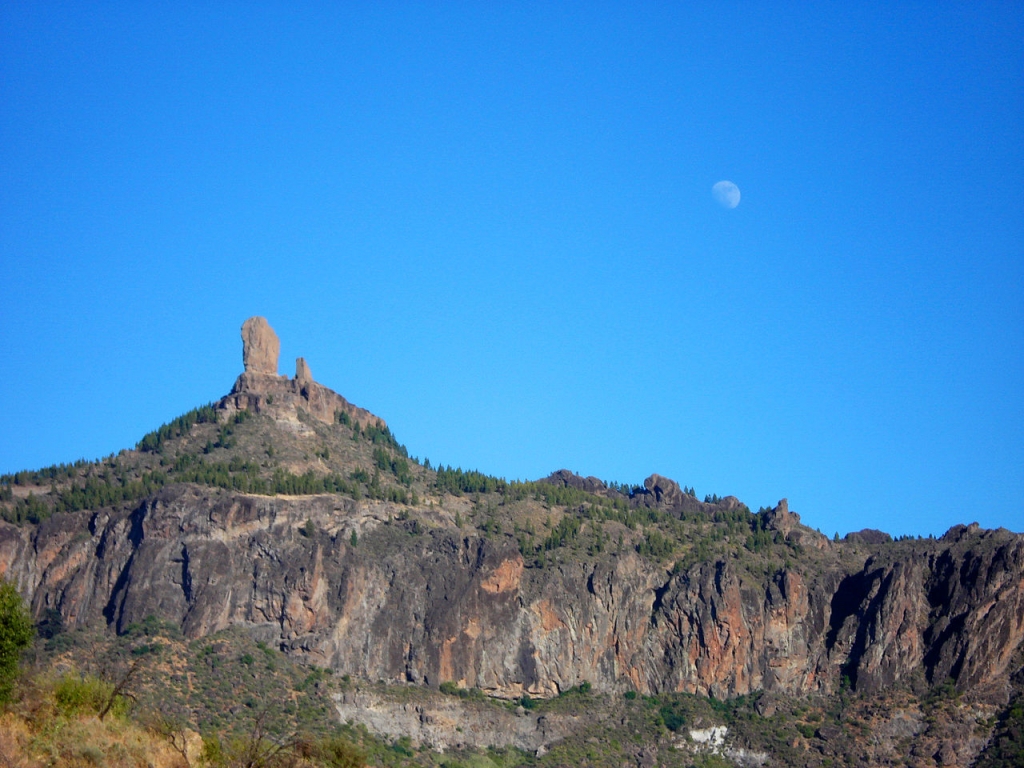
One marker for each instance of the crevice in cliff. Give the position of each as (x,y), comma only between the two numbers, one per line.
(860,595)
(186,576)
(114,609)
(846,602)
(135,532)
(933,657)
(940,593)
(527,659)
(659,600)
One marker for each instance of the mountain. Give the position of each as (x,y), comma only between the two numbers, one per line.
(285,512)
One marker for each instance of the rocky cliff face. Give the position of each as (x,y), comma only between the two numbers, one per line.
(437,589)
(955,610)
(420,601)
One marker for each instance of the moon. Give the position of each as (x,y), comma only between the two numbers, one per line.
(726,194)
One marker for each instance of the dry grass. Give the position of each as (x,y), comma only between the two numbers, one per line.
(55,720)
(82,742)
(39,731)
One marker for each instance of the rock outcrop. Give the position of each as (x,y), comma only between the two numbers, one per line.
(450,723)
(781,519)
(261,390)
(665,491)
(569,479)
(260,346)
(869,537)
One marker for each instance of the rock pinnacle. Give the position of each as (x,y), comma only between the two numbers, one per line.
(260,346)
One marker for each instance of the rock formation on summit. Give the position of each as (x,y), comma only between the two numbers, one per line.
(569,479)
(781,519)
(260,346)
(665,490)
(261,390)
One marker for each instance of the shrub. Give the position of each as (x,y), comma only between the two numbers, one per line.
(673,720)
(87,695)
(16,632)
(332,752)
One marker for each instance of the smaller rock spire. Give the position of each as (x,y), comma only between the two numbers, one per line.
(302,373)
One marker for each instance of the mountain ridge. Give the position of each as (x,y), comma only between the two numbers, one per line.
(291,513)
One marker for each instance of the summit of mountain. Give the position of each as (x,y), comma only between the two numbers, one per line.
(259,388)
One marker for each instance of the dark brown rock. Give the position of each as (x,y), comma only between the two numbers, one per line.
(665,491)
(569,479)
(781,519)
(868,536)
(831,733)
(958,532)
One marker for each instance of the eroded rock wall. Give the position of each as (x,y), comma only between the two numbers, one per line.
(425,602)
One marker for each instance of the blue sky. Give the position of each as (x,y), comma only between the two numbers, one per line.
(492,225)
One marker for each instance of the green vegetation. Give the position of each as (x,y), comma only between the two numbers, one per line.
(396,465)
(451,689)
(77,719)
(204,448)
(88,695)
(238,693)
(671,717)
(16,633)
(155,440)
(655,544)
(1007,746)
(91,493)
(52,474)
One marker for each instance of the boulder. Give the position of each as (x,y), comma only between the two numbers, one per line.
(665,491)
(260,346)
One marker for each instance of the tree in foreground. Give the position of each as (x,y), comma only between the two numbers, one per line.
(16,633)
